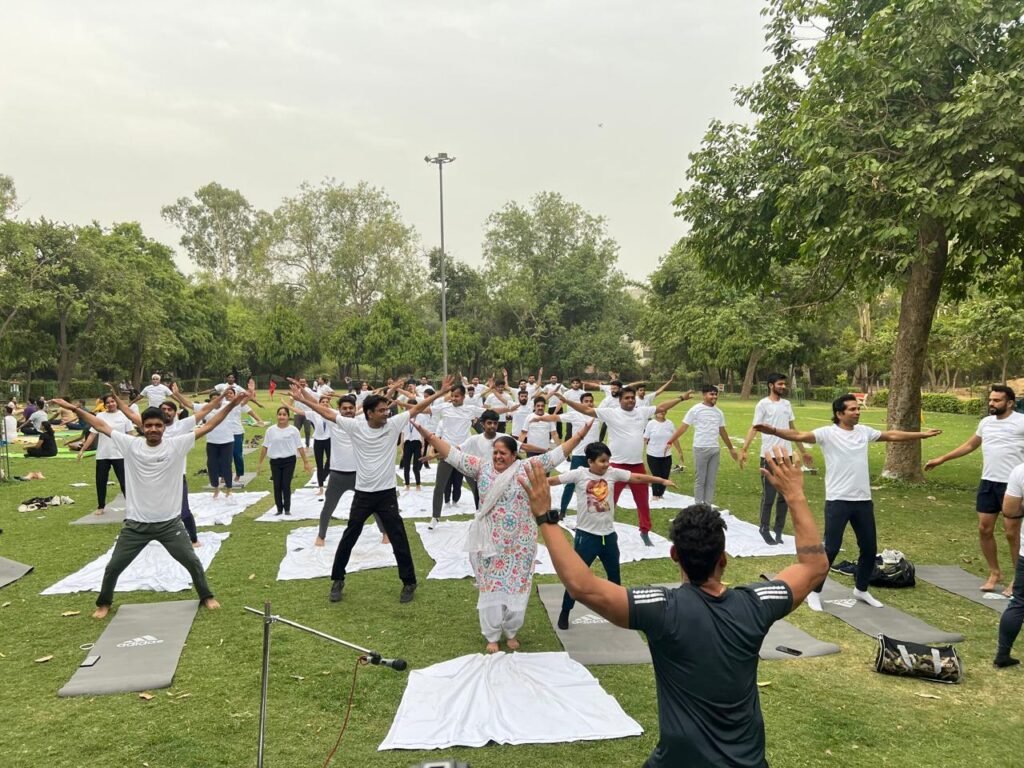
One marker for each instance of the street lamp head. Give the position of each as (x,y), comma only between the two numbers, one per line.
(440,159)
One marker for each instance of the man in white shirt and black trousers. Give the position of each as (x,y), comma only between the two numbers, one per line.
(704,637)
(153,466)
(373,442)
(848,486)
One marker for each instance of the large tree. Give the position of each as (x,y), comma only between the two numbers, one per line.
(886,152)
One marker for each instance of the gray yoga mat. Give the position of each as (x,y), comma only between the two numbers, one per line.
(113,513)
(838,601)
(138,651)
(960,582)
(10,571)
(590,638)
(785,634)
(246,478)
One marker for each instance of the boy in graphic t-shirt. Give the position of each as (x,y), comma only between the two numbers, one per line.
(595,522)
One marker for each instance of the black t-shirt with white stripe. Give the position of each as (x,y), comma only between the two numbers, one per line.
(705,653)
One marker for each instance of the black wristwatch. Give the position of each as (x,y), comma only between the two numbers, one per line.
(551,516)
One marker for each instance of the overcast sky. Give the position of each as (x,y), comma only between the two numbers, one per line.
(109,110)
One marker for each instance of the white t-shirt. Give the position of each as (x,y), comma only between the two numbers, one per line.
(457,421)
(552,391)
(573,394)
(480,446)
(421,390)
(578,420)
(657,434)
(626,432)
(235,417)
(519,417)
(374,451)
(474,400)
(493,401)
(595,500)
(410,434)
(223,432)
(105,447)
(1015,488)
(153,485)
(609,401)
(706,420)
(321,426)
(282,443)
(37,418)
(10,427)
(156,394)
(846,461)
(1002,446)
(538,432)
(180,426)
(343,458)
(778,414)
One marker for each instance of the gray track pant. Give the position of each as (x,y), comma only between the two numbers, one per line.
(705,469)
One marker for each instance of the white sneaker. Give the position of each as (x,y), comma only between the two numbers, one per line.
(814,601)
(865,597)
(433,523)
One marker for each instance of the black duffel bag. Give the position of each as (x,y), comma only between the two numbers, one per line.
(939,664)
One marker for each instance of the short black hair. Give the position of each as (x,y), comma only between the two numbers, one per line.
(615,383)
(458,388)
(698,534)
(596,450)
(575,378)
(624,390)
(152,413)
(839,405)
(705,388)
(587,394)
(774,377)
(509,442)
(371,402)
(488,415)
(540,399)
(1010,394)
(350,399)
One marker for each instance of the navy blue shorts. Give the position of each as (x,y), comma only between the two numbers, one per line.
(990,497)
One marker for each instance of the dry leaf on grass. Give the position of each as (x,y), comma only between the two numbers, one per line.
(44,659)
(145,696)
(5,604)
(252,576)
(927,695)
(71,613)
(764,684)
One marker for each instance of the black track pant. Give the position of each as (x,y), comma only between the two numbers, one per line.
(411,452)
(103,467)
(861,517)
(281,473)
(218,463)
(322,454)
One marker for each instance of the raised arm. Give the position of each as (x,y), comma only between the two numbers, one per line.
(98,424)
(664,386)
(577,436)
(219,416)
(600,595)
(123,407)
(446,387)
(300,396)
(586,410)
(786,434)
(899,436)
(670,404)
(971,445)
(811,566)
(441,446)
(180,398)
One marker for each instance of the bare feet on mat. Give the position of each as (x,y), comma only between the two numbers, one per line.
(211,603)
(512,643)
(384,539)
(492,648)
(319,542)
(196,544)
(101,612)
(99,511)
(1008,592)
(990,584)
(216,493)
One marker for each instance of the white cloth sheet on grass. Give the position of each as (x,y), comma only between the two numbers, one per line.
(428,476)
(421,503)
(306,505)
(446,547)
(743,539)
(669,500)
(152,571)
(476,699)
(631,546)
(210,511)
(302,560)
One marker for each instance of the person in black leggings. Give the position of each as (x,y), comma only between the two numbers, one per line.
(107,456)
(412,450)
(321,445)
(281,442)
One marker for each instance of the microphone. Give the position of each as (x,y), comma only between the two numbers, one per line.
(398,665)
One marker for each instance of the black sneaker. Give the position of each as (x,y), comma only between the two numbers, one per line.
(778,537)
(336,587)
(645,537)
(407,593)
(766,535)
(563,620)
(279,512)
(1001,662)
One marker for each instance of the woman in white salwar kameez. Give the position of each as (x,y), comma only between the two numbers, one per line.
(502,539)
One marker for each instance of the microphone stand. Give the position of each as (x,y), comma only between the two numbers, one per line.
(269,620)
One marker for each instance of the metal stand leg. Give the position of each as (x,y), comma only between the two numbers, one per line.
(268,620)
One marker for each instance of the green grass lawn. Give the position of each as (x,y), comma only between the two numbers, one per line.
(831,711)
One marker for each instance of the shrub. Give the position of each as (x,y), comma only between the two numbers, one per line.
(974,406)
(937,402)
(879,398)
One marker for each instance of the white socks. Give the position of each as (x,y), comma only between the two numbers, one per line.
(865,597)
(814,601)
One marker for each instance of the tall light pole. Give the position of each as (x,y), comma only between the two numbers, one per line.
(441,159)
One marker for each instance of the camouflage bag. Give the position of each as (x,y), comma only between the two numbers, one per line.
(905,659)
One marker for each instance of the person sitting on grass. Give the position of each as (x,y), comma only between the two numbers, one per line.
(595,520)
(46,446)
(704,637)
(154,466)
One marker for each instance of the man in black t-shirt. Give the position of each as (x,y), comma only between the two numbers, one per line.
(704,637)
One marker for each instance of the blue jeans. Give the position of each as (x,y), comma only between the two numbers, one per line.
(590,547)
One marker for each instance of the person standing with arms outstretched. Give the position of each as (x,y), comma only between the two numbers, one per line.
(154,466)
(776,411)
(374,439)
(1001,438)
(848,486)
(280,443)
(626,426)
(708,424)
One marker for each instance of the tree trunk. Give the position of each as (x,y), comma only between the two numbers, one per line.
(807,377)
(748,377)
(1006,359)
(917,311)
(199,373)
